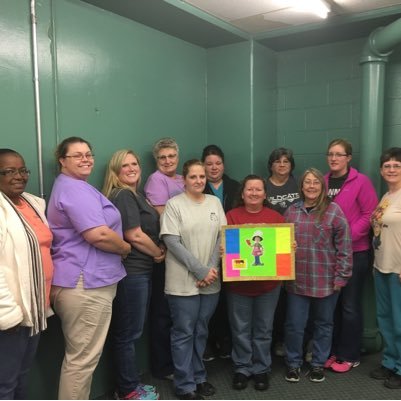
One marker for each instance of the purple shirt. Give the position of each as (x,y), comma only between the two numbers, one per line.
(159,188)
(74,207)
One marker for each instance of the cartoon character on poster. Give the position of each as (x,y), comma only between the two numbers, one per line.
(257,247)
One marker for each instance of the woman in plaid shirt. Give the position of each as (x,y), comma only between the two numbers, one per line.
(323,265)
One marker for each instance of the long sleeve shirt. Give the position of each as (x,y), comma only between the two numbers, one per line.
(323,257)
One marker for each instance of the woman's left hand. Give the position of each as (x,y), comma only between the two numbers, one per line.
(159,259)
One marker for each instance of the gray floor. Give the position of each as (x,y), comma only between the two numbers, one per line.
(352,385)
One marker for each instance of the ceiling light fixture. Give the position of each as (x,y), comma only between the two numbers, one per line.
(318,7)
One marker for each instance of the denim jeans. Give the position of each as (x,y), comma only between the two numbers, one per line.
(388,305)
(129,313)
(348,317)
(251,320)
(17,350)
(322,312)
(189,333)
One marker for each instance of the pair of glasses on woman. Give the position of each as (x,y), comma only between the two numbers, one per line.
(81,156)
(13,172)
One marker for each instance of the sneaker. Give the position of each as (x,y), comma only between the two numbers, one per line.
(292,375)
(139,394)
(308,356)
(343,366)
(279,349)
(308,351)
(330,361)
(393,382)
(208,355)
(381,373)
(147,387)
(316,374)
(225,350)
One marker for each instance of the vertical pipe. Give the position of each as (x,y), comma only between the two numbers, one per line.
(251,93)
(37,96)
(374,58)
(372,111)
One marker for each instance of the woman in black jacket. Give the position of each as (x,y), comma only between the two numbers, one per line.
(225,188)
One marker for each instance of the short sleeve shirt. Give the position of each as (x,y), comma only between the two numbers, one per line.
(136,212)
(74,207)
(198,225)
(159,188)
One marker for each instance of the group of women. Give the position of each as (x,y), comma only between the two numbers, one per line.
(108,258)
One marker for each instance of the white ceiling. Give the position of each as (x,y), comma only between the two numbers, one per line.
(257,16)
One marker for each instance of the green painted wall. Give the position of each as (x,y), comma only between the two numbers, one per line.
(319,91)
(264,106)
(392,109)
(103,77)
(241,105)
(228,105)
(318,100)
(121,84)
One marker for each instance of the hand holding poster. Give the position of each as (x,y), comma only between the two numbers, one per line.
(258,252)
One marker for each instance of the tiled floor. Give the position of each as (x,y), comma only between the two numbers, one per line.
(355,384)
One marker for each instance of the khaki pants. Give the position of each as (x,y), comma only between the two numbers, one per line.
(85,319)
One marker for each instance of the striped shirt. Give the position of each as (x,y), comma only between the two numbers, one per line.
(323,257)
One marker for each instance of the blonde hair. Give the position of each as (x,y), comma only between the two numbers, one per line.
(323,200)
(111,180)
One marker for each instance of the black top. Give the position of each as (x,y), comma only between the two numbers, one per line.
(335,184)
(230,190)
(135,211)
(281,197)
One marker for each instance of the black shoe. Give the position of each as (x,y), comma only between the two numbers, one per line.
(381,373)
(393,382)
(261,381)
(240,381)
(292,375)
(193,395)
(316,374)
(206,389)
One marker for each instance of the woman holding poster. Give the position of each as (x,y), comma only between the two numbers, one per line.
(323,265)
(251,304)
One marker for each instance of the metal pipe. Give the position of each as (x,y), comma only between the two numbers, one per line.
(374,58)
(37,96)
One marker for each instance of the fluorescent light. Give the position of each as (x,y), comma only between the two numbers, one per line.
(318,7)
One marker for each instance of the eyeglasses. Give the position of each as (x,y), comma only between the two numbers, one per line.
(390,166)
(165,157)
(336,155)
(13,172)
(314,182)
(82,156)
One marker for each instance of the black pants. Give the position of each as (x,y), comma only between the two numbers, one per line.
(161,363)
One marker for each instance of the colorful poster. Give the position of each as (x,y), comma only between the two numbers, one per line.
(258,252)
